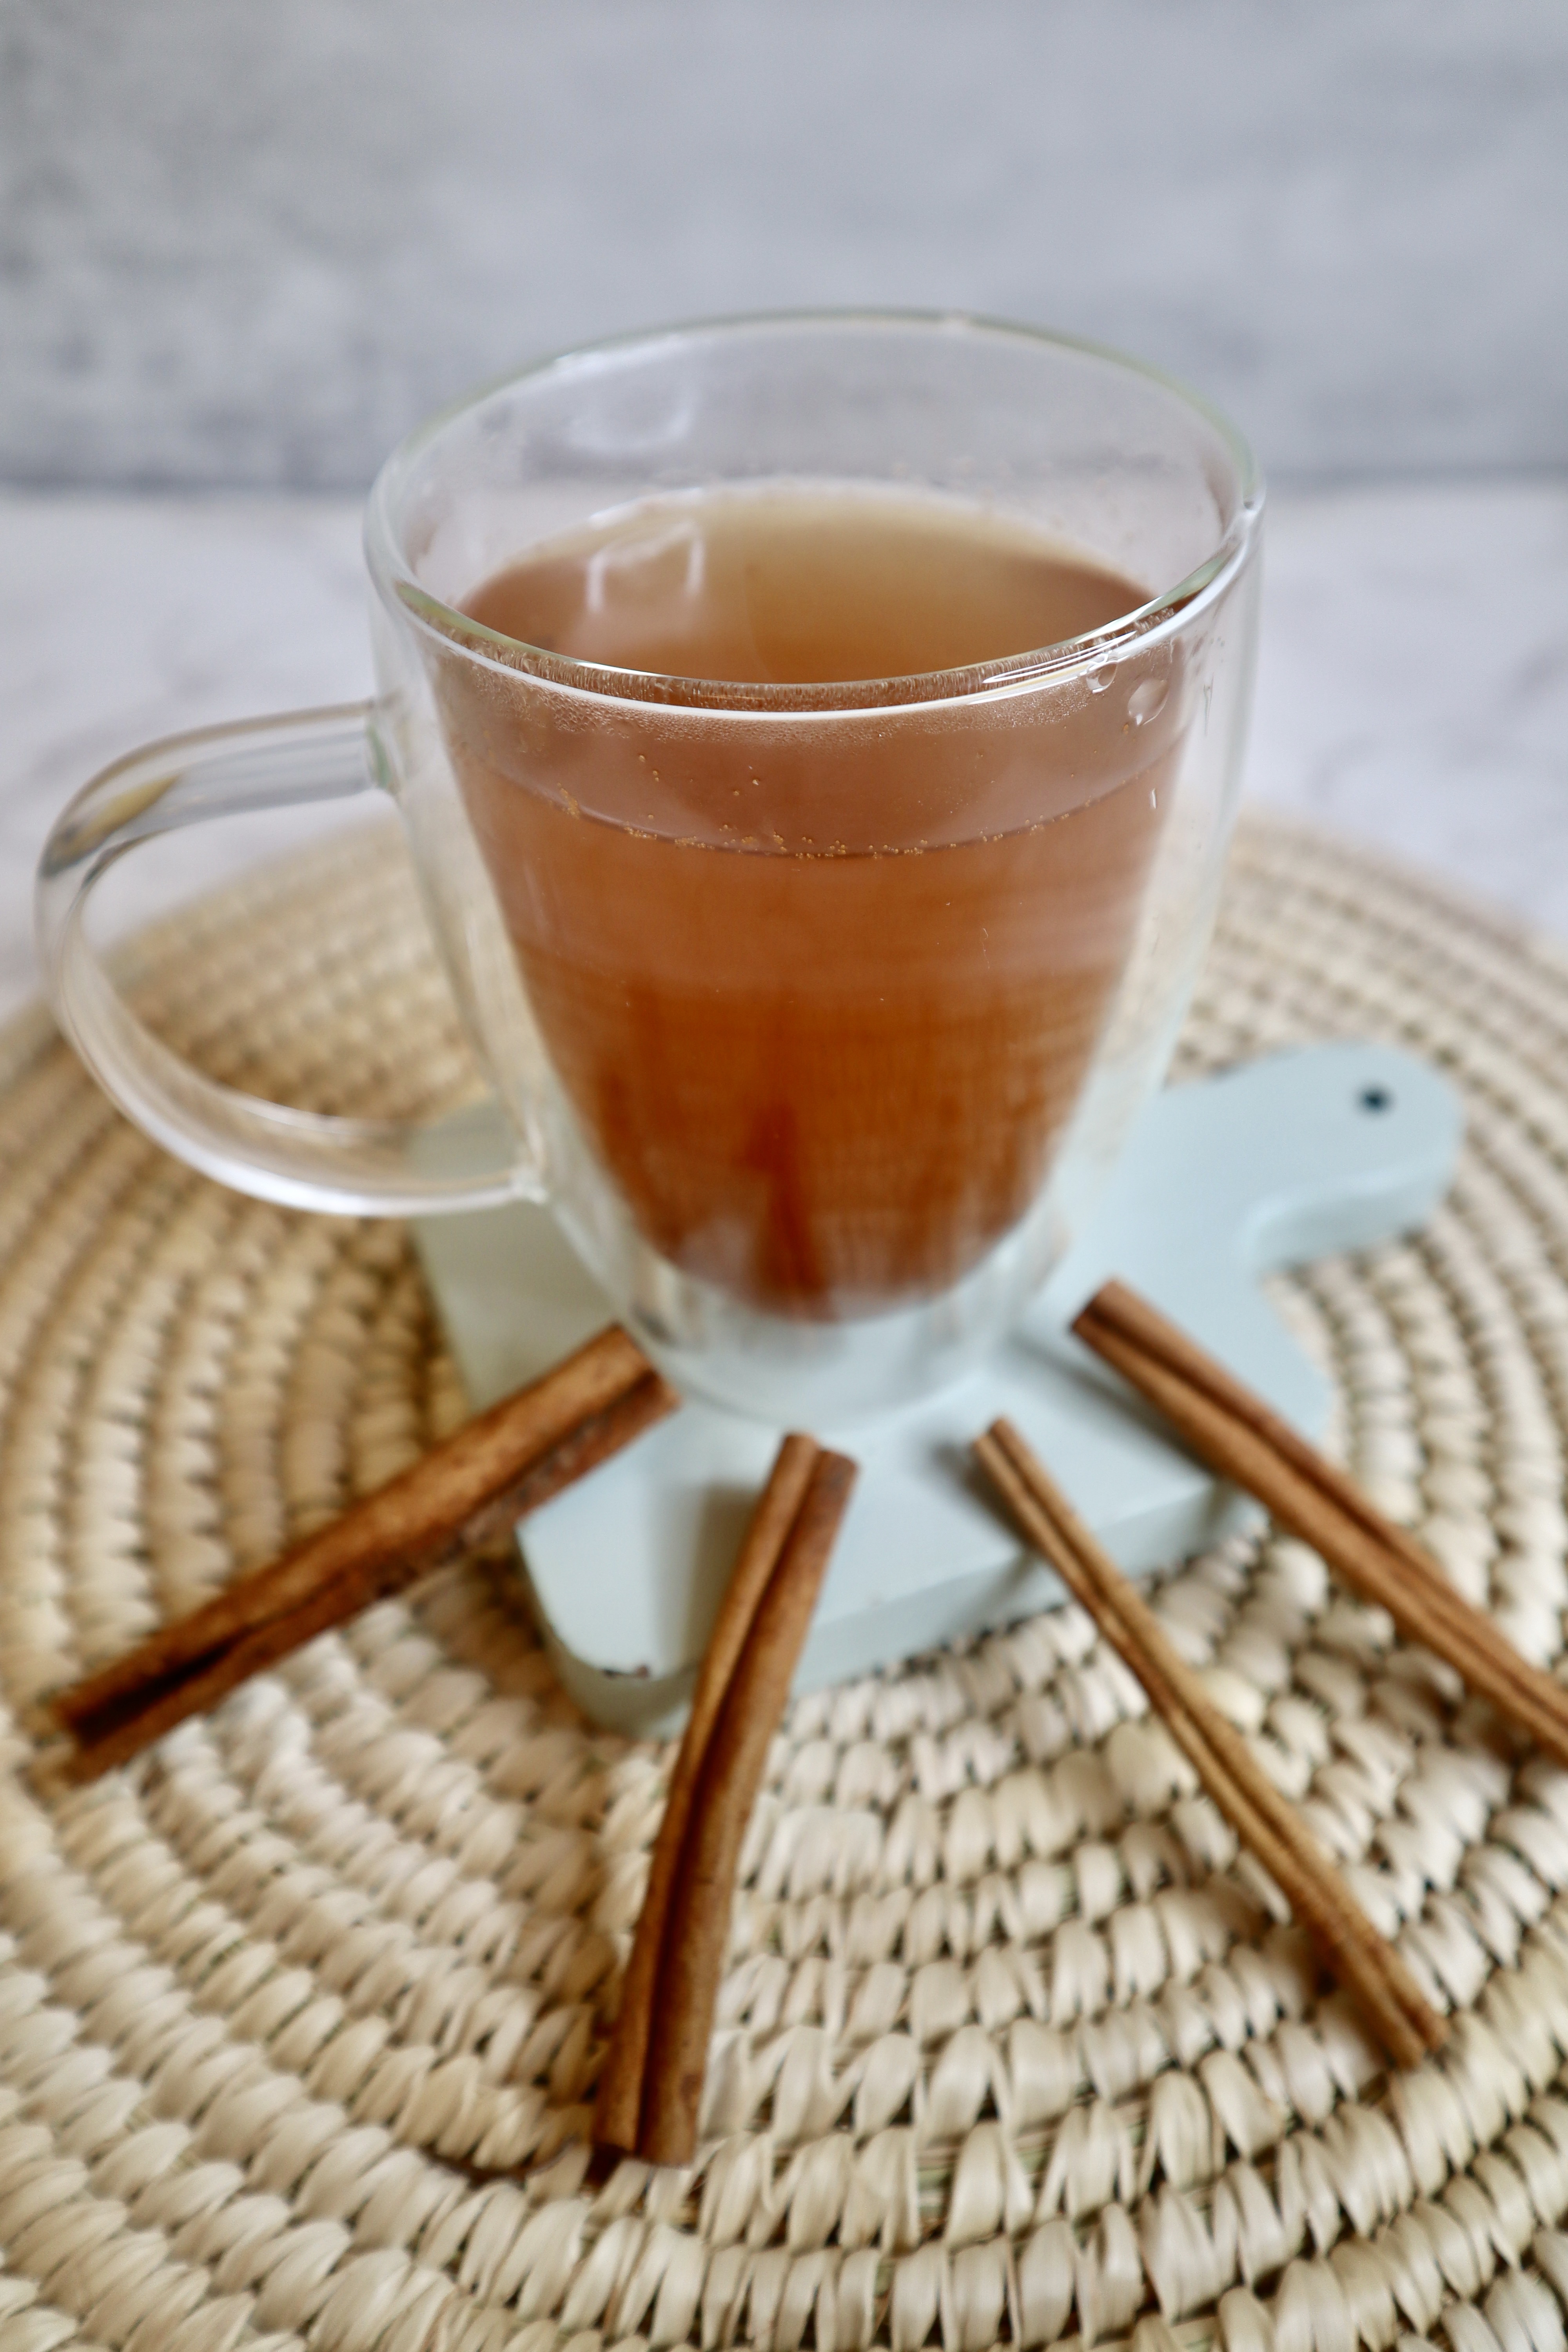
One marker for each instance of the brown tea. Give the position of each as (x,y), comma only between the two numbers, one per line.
(821,989)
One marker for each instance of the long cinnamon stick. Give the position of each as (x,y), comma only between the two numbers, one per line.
(1369,1968)
(619,2106)
(1241,1437)
(696,1928)
(467,1492)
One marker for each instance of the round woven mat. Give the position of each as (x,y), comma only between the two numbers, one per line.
(298,2020)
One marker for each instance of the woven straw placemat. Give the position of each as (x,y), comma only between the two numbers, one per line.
(300,2018)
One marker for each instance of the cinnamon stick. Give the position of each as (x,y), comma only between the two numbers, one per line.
(619,2106)
(1238,1435)
(465,1494)
(1369,1968)
(697,1927)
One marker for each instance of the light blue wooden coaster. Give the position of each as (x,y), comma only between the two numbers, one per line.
(1333,1148)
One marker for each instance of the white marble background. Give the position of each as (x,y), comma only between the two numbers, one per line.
(253,244)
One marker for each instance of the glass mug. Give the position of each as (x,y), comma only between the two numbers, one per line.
(817,1012)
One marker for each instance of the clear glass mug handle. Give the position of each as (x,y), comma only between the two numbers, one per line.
(303,1158)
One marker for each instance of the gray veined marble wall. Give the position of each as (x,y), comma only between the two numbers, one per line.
(251,244)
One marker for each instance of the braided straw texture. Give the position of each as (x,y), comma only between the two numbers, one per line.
(299,2019)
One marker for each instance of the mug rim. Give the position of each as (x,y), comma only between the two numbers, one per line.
(1159,617)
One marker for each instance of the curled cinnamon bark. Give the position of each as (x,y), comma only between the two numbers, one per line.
(651,2092)
(1370,1967)
(1237,1433)
(617,2108)
(467,1492)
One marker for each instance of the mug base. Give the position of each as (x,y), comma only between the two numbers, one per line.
(1334,1146)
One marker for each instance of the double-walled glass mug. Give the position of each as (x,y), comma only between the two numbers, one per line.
(814,1003)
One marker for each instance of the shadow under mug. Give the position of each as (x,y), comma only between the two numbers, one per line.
(816,1013)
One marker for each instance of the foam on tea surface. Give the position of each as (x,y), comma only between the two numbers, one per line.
(821,992)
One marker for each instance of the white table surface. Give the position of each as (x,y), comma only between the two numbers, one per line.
(1413,684)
